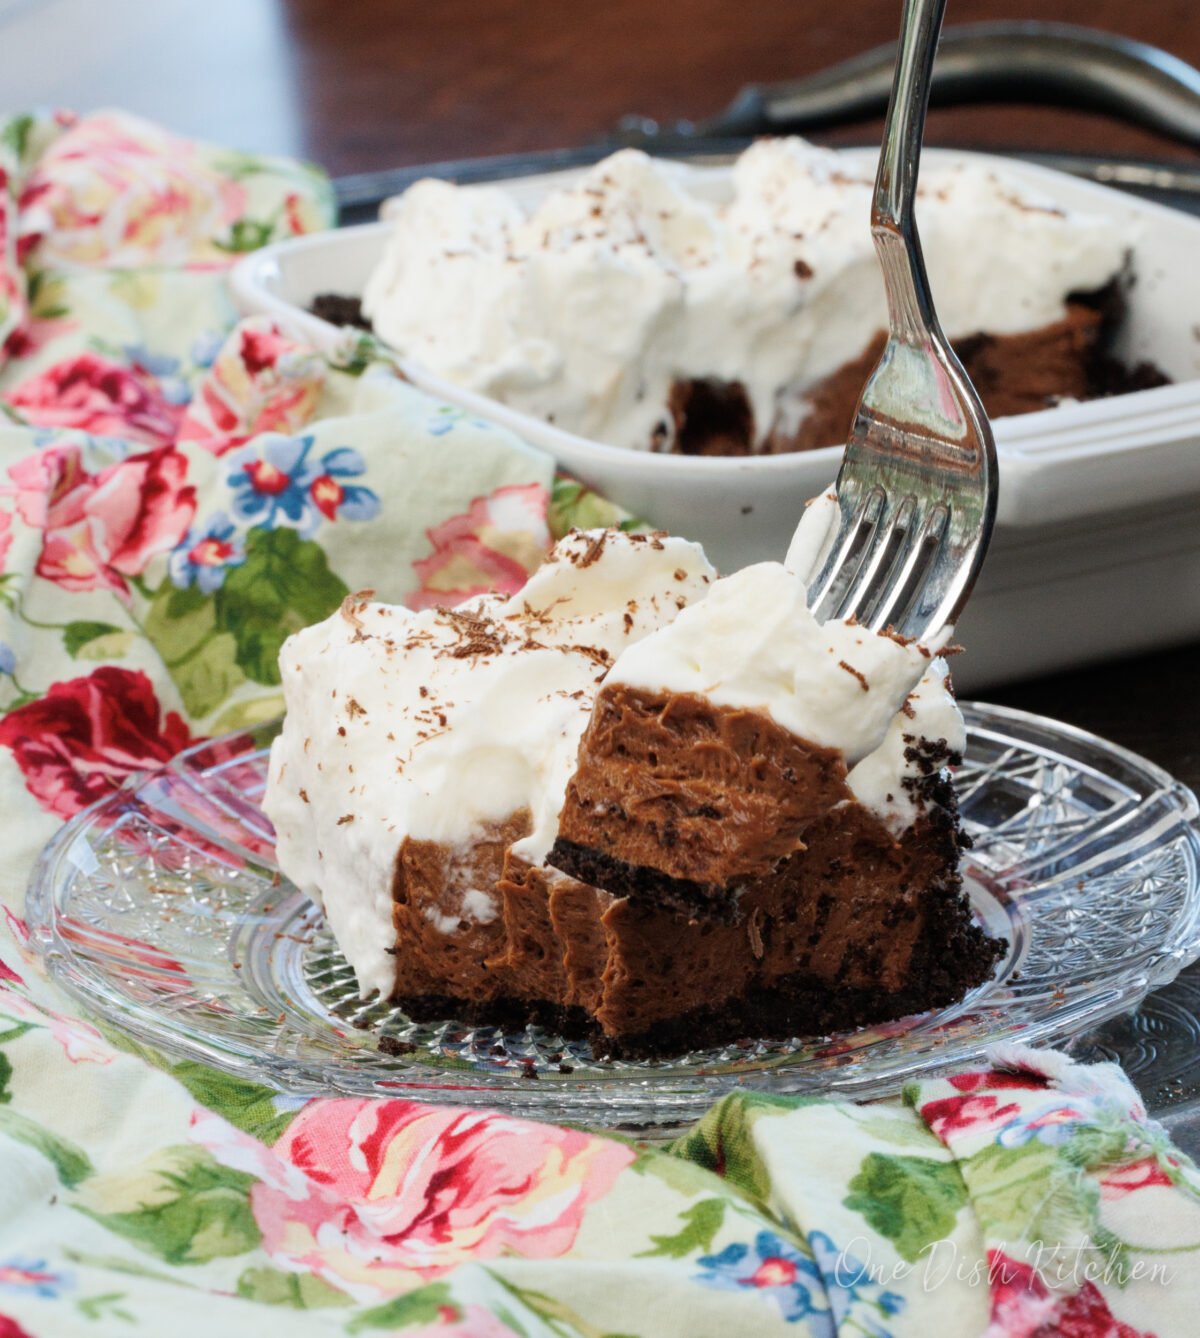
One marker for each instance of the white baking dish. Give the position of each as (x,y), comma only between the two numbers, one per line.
(1086,562)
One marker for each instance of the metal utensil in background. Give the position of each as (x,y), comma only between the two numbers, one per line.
(1029,61)
(1050,64)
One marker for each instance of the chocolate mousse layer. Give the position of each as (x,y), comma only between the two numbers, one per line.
(1014,374)
(853,926)
(1068,359)
(448,915)
(678,804)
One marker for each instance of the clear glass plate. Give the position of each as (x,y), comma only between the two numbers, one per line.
(162,910)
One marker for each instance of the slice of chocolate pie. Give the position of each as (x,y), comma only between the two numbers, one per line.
(776,792)
(632,802)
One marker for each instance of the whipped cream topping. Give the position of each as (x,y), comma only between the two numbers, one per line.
(929,712)
(433,725)
(587,311)
(753,643)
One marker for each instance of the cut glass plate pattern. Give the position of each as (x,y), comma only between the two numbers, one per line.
(161,909)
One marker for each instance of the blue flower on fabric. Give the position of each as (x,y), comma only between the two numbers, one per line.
(446,417)
(32,1275)
(336,499)
(8,660)
(1054,1123)
(775,1268)
(206,554)
(165,370)
(272,487)
(206,346)
(283,486)
(848,1283)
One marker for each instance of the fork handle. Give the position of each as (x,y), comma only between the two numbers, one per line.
(893,221)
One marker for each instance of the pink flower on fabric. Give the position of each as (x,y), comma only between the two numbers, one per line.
(117,191)
(99,396)
(12,299)
(960,1114)
(995,1080)
(5,536)
(18,930)
(102,528)
(260,381)
(80,1041)
(34,333)
(494,545)
(375,1196)
(1023,1306)
(8,975)
(472,1322)
(81,740)
(9,1328)
(1142,1174)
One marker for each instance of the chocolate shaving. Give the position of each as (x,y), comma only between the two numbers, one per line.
(855,673)
(353,605)
(594,549)
(754,933)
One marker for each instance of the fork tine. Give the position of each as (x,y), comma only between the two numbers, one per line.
(908,578)
(858,522)
(887,543)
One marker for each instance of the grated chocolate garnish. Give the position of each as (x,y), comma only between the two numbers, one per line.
(855,673)
(353,605)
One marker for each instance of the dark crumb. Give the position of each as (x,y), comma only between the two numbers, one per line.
(338,309)
(802,269)
(555,1058)
(391,1045)
(565,1068)
(360,1024)
(746,510)
(497,1050)
(529,1070)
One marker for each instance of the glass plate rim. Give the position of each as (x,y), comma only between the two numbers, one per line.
(299,1075)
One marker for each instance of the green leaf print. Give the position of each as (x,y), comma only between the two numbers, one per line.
(722,1141)
(192,1210)
(76,635)
(573,506)
(1030,1193)
(15,134)
(423,1306)
(300,1291)
(283,585)
(702,1222)
(247,234)
(199,656)
(103,1306)
(70,1163)
(248,1106)
(5,1079)
(911,1201)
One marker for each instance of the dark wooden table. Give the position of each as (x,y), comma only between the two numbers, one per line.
(360,85)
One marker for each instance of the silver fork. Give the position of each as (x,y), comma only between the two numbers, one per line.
(917,488)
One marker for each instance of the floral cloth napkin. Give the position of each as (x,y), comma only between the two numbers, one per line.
(178,492)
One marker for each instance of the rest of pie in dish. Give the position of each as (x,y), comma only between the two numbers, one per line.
(655,305)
